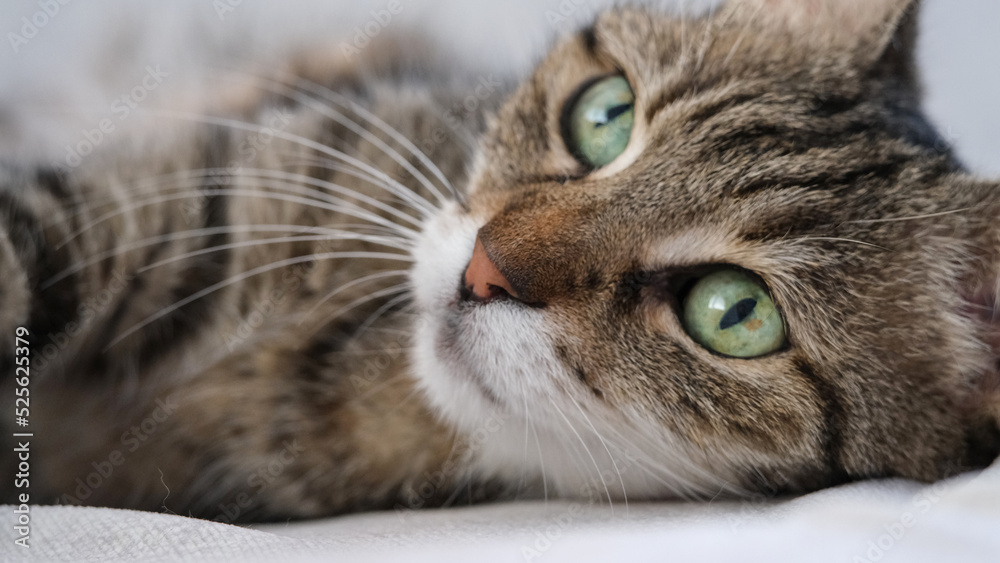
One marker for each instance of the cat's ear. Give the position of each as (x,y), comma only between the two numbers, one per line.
(880,33)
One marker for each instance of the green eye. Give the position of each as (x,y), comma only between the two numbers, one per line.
(730,313)
(598,124)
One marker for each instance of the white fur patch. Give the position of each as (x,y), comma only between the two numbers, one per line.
(491,372)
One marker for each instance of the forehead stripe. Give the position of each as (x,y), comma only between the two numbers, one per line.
(589,38)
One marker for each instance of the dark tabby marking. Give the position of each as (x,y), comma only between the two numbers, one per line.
(270,313)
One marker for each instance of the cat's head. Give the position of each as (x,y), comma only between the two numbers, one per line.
(714,253)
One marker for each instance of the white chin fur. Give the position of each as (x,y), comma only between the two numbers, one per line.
(490,372)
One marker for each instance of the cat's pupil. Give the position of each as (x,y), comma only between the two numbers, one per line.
(737,313)
(612,114)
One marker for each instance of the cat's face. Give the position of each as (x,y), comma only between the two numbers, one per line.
(690,269)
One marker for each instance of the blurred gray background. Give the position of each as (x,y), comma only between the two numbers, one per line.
(83,55)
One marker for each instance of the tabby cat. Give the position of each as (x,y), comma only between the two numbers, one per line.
(686,257)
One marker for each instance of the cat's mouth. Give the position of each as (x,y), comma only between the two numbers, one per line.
(454,351)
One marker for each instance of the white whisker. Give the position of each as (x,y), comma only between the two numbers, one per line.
(250,243)
(611,456)
(420,205)
(837,239)
(336,188)
(345,208)
(202,178)
(913,218)
(385,128)
(346,286)
(403,191)
(639,444)
(245,275)
(541,461)
(329,112)
(524,458)
(403,287)
(210,231)
(366,298)
(583,443)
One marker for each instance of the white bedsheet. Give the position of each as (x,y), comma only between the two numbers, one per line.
(955,520)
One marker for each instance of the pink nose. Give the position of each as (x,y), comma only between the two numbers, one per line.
(484,279)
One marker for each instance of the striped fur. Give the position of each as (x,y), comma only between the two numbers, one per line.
(265,319)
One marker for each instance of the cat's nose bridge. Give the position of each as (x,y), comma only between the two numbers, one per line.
(540,251)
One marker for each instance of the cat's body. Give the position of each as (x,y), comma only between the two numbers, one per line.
(254,376)
(550,360)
